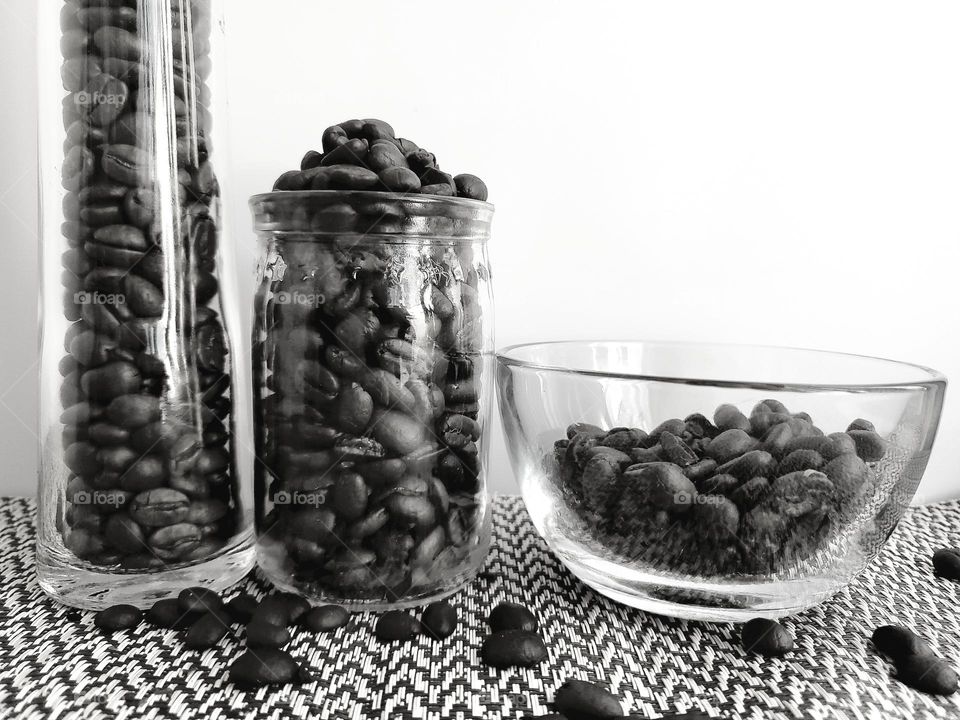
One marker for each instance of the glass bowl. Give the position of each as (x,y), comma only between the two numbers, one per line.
(655,499)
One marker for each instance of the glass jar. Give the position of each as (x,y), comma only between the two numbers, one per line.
(143,485)
(372,352)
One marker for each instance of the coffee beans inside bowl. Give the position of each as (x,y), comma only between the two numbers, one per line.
(736,494)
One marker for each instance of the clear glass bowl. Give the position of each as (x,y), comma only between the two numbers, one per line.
(636,514)
(373,363)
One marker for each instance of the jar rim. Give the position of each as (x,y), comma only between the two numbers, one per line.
(378,214)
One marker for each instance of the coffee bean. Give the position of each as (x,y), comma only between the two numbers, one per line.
(325,618)
(174,541)
(580,700)
(728,417)
(267,666)
(766,637)
(898,642)
(946,563)
(861,424)
(730,445)
(166,613)
(470,186)
(397,626)
(663,485)
(160,507)
(869,445)
(242,607)
(928,674)
(264,634)
(208,630)
(513,648)
(118,617)
(439,620)
(512,616)
(200,600)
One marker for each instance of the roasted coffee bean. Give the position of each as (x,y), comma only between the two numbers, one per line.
(580,700)
(241,608)
(766,637)
(663,485)
(513,648)
(946,563)
(325,618)
(264,634)
(928,674)
(869,445)
(166,613)
(470,186)
(200,600)
(728,417)
(439,620)
(124,534)
(160,507)
(118,617)
(267,666)
(208,630)
(729,445)
(397,626)
(512,616)
(861,424)
(174,541)
(898,642)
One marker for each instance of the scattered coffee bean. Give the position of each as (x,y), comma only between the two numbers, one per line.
(267,666)
(898,642)
(946,563)
(325,618)
(512,616)
(766,637)
(118,617)
(242,607)
(439,620)
(397,626)
(206,632)
(928,674)
(513,648)
(580,700)
(166,613)
(264,634)
(199,599)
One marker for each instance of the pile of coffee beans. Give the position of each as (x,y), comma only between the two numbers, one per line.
(916,663)
(738,495)
(370,367)
(204,620)
(368,155)
(146,433)
(514,640)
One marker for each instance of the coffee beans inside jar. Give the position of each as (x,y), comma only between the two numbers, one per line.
(145,387)
(737,494)
(371,350)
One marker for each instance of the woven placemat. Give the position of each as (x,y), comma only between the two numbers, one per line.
(55,664)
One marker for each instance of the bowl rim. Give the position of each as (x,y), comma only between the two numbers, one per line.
(931,376)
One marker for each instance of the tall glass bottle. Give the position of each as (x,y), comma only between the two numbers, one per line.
(144,482)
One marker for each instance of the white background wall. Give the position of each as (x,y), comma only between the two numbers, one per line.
(782,173)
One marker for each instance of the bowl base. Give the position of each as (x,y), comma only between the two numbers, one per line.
(699,599)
